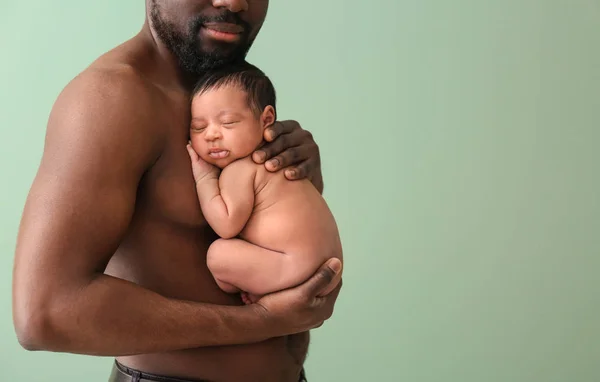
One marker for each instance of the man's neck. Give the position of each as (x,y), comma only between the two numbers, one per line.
(165,67)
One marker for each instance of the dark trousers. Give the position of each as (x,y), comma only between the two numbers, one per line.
(121,373)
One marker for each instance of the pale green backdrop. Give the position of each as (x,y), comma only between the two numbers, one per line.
(460,151)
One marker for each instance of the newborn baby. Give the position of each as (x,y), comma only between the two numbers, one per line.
(275,233)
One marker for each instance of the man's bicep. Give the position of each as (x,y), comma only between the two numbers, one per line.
(72,224)
(83,196)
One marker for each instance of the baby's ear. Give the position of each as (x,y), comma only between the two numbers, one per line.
(267,117)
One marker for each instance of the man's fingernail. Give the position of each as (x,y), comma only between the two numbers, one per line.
(336,265)
(274,162)
(291,173)
(261,155)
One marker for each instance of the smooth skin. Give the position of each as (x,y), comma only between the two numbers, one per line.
(111,251)
(267,244)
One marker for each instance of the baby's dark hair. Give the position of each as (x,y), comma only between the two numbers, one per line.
(258,87)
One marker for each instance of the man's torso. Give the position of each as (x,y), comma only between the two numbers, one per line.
(165,249)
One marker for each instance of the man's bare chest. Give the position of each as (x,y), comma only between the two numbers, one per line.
(168,188)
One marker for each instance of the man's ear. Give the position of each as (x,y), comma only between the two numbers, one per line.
(267,118)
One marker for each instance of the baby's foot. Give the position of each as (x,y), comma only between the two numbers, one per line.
(249,298)
(246,298)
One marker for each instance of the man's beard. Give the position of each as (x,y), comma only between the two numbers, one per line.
(187,47)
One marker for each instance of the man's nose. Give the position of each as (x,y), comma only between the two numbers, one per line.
(232,5)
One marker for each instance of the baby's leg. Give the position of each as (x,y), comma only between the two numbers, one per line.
(238,265)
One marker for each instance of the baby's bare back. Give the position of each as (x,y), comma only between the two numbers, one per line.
(293,218)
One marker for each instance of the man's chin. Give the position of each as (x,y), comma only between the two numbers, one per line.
(222,50)
(219,55)
(208,56)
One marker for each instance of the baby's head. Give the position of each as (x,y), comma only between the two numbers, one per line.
(231,108)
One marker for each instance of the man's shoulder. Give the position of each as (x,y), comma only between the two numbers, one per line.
(108,95)
(108,106)
(115,84)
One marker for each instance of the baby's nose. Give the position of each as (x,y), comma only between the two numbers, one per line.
(212,134)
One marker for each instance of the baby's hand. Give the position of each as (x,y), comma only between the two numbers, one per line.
(201,168)
(248,298)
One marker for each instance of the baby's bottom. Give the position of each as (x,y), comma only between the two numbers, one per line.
(239,266)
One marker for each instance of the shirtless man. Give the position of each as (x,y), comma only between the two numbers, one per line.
(111,253)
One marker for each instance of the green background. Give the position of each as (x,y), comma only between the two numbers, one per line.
(460,153)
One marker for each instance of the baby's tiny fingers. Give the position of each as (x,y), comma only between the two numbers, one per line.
(193,154)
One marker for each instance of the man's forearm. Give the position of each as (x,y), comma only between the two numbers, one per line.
(113,317)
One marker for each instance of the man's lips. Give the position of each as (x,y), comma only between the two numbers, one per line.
(223,31)
(225,27)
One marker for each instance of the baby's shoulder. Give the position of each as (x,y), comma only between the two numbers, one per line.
(241,167)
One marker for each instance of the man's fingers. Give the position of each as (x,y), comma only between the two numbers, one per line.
(290,157)
(333,289)
(300,171)
(259,156)
(272,149)
(317,326)
(284,139)
(278,128)
(321,280)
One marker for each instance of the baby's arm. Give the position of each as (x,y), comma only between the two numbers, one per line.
(226,200)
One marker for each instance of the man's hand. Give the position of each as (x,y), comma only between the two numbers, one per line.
(200,168)
(293,148)
(306,306)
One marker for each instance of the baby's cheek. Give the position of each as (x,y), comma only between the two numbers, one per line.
(197,143)
(246,146)
(252,139)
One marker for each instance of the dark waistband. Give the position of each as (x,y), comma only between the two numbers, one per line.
(122,373)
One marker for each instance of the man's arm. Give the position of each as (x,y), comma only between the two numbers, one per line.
(291,148)
(226,200)
(99,143)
